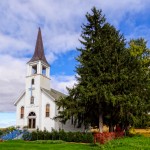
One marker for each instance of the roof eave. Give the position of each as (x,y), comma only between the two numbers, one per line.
(48,94)
(19,98)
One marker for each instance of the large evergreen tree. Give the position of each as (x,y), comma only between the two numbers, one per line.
(109,78)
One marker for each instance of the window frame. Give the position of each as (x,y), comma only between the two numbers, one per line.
(47,110)
(32,100)
(32,82)
(22,112)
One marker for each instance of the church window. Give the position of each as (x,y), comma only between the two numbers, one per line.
(32,81)
(32,114)
(34,69)
(47,110)
(22,112)
(43,70)
(32,100)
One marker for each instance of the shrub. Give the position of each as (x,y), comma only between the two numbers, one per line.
(1,132)
(79,137)
(47,135)
(88,138)
(70,137)
(34,136)
(55,135)
(40,135)
(63,135)
(59,135)
(107,136)
(27,136)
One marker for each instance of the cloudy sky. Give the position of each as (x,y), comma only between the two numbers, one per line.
(60,22)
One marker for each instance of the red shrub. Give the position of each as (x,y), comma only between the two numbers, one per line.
(107,136)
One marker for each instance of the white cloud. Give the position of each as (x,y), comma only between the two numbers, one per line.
(138,32)
(61,22)
(51,57)
(61,82)
(116,10)
(12,46)
(12,80)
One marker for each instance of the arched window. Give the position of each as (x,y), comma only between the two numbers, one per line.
(34,69)
(22,112)
(32,82)
(32,100)
(47,110)
(32,114)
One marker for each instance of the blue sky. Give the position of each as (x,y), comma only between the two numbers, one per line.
(60,22)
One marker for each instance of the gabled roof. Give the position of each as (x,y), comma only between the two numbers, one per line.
(39,50)
(51,93)
(19,98)
(54,93)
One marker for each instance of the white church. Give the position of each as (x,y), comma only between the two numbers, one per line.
(36,107)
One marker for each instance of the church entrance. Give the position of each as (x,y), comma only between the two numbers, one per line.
(31,123)
(32,120)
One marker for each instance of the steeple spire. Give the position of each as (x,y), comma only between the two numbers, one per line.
(39,50)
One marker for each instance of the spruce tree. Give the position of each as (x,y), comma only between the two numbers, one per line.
(113,81)
(101,56)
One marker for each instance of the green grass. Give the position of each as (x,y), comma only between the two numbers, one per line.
(132,143)
(128,143)
(23,145)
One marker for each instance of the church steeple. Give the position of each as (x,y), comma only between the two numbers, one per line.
(39,50)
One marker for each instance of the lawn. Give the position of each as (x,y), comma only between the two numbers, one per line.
(129,143)
(21,145)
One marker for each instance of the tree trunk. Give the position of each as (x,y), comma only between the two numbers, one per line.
(111,128)
(100,123)
(127,127)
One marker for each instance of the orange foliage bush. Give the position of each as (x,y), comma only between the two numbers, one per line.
(107,136)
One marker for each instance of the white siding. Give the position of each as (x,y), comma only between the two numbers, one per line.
(47,122)
(20,121)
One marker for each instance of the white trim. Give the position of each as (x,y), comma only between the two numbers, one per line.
(36,62)
(38,74)
(19,98)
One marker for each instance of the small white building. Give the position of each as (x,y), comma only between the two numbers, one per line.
(36,106)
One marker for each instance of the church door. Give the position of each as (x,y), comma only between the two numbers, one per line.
(32,123)
(32,120)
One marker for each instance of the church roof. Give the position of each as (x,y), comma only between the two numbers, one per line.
(19,98)
(54,93)
(39,50)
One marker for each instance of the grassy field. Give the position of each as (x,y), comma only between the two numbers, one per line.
(129,143)
(145,132)
(132,143)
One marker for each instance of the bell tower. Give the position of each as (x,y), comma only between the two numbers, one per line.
(38,69)
(38,73)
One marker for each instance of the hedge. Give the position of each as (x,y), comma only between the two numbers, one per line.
(59,135)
